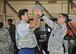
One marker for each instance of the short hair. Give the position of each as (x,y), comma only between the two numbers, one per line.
(10,20)
(66,17)
(38,7)
(1,24)
(22,12)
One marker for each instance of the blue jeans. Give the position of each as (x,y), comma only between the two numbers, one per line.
(27,51)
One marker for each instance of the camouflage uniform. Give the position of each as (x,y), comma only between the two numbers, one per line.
(56,36)
(5,41)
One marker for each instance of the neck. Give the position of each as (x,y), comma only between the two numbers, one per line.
(24,20)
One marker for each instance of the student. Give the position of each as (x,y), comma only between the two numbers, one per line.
(25,38)
(58,32)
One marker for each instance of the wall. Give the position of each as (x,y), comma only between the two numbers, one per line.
(1,10)
(53,8)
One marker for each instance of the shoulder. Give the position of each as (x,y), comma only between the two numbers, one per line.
(4,30)
(22,25)
(13,24)
(64,27)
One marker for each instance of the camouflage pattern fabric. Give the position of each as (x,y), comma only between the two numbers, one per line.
(5,41)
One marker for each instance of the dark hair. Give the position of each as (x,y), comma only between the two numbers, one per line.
(1,24)
(10,20)
(22,12)
(66,17)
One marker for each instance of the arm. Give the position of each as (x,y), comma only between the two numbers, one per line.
(37,25)
(33,23)
(49,22)
(45,18)
(9,38)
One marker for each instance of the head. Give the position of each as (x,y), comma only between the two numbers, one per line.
(10,21)
(63,18)
(23,14)
(1,25)
(36,9)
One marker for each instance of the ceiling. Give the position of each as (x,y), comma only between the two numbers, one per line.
(38,0)
(49,1)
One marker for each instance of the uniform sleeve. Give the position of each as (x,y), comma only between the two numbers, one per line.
(49,22)
(64,31)
(9,38)
(23,30)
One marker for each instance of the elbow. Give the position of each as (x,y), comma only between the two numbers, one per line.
(32,26)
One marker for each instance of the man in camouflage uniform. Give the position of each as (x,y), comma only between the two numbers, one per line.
(5,40)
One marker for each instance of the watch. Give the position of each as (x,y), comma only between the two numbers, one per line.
(42,15)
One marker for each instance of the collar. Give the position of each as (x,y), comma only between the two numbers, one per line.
(23,21)
(62,25)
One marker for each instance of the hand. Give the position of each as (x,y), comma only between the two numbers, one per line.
(37,12)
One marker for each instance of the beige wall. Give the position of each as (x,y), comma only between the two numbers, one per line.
(1,10)
(1,6)
(53,8)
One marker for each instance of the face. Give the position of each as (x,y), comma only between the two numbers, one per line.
(37,12)
(9,23)
(61,19)
(25,17)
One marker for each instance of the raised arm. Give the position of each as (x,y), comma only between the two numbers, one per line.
(33,23)
(45,18)
(49,22)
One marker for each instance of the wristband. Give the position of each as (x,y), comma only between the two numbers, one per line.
(42,15)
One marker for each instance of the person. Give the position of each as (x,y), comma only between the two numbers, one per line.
(5,40)
(11,30)
(41,33)
(69,41)
(25,38)
(55,44)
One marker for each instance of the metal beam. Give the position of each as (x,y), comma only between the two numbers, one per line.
(5,9)
(72,3)
(44,8)
(11,7)
(68,11)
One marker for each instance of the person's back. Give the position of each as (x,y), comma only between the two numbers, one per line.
(11,29)
(5,40)
(12,32)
